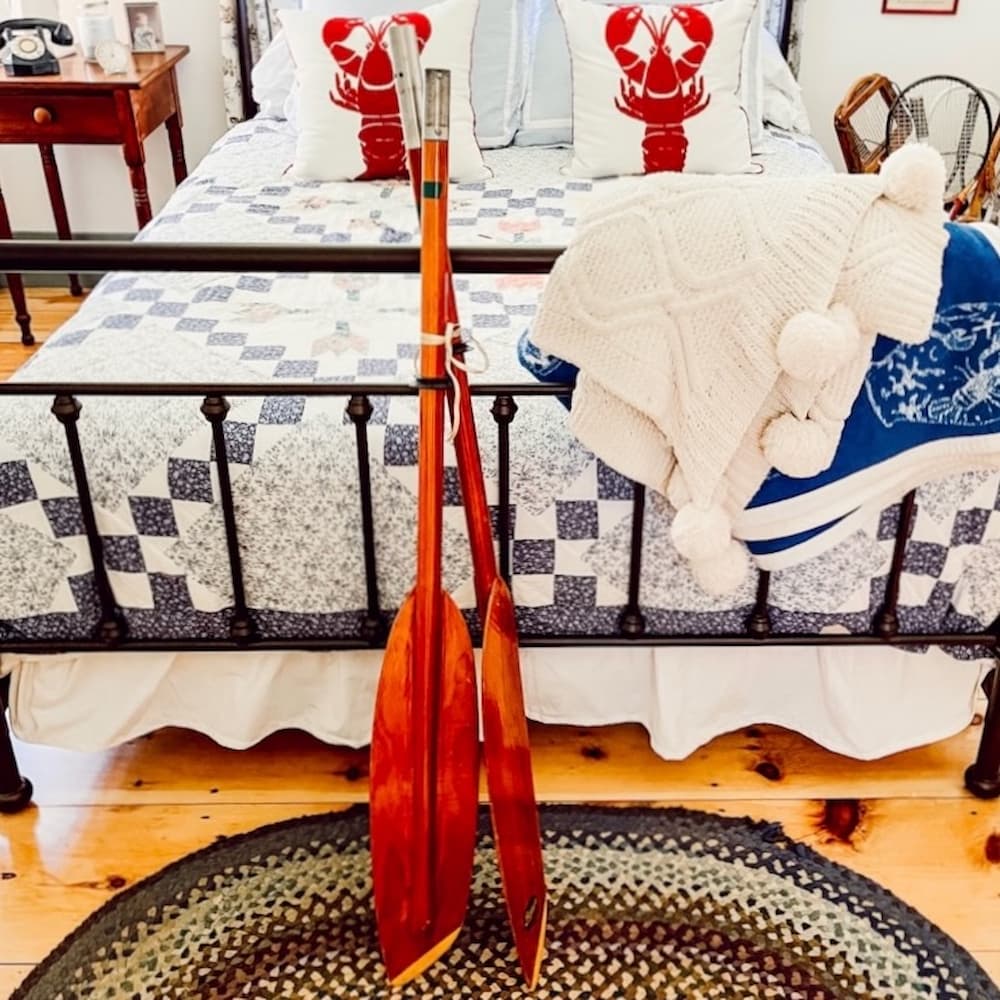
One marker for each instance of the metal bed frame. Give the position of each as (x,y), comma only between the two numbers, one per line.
(111,633)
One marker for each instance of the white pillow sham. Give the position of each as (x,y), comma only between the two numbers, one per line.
(345,129)
(498,69)
(657,87)
(783,102)
(547,112)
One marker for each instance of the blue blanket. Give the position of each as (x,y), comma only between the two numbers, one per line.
(925,411)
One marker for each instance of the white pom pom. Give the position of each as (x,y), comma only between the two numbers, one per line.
(725,572)
(814,346)
(915,177)
(798,448)
(701,533)
(677,491)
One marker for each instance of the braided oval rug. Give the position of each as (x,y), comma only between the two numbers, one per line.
(645,903)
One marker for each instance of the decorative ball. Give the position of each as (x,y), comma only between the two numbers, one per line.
(814,346)
(725,572)
(678,493)
(701,532)
(798,448)
(915,177)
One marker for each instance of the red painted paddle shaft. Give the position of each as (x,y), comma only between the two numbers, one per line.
(470,463)
(470,477)
(430,501)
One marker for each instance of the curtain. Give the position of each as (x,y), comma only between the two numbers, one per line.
(260,36)
(773,18)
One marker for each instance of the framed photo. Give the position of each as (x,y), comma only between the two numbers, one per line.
(919,6)
(145,28)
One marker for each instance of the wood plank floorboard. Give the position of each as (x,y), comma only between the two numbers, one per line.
(11,976)
(49,308)
(104,820)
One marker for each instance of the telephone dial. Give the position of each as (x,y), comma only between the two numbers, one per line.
(27,41)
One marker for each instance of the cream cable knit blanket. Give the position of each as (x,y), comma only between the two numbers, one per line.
(724,325)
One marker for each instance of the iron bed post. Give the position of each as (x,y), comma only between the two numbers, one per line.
(111,628)
(504,410)
(983,777)
(887,619)
(759,622)
(373,626)
(241,625)
(632,622)
(15,790)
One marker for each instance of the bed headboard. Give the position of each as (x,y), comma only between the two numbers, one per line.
(247,27)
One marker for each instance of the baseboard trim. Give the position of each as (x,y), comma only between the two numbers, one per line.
(55,280)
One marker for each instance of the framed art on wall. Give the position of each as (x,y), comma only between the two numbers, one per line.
(919,6)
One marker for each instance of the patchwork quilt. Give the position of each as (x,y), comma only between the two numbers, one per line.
(294,462)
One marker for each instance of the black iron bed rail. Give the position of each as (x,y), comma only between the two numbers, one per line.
(112,631)
(49,257)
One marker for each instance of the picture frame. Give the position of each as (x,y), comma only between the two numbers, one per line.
(145,27)
(938,7)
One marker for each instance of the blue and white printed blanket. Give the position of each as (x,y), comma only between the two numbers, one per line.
(293,459)
(925,410)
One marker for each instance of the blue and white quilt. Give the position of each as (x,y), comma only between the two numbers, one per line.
(294,471)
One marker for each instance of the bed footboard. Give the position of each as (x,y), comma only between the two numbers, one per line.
(15,791)
(982,778)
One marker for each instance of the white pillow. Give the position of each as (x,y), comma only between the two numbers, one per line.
(498,64)
(273,77)
(783,103)
(350,131)
(547,112)
(657,87)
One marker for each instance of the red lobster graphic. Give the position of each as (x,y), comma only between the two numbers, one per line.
(663,92)
(365,84)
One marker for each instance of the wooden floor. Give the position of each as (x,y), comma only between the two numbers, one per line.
(104,820)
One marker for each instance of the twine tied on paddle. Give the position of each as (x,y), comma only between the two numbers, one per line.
(456,347)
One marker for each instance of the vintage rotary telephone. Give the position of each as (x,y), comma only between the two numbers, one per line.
(28,52)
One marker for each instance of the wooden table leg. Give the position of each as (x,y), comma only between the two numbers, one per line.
(135,158)
(58,203)
(176,138)
(14,282)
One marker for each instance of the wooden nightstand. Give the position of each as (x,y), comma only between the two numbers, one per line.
(84,106)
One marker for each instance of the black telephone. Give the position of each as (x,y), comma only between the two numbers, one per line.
(28,48)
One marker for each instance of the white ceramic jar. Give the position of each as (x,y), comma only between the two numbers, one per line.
(94,24)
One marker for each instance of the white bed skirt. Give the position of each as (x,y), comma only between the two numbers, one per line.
(862,702)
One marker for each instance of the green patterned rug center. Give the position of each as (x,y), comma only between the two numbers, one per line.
(644,904)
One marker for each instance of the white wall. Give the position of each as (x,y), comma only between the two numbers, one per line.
(95,179)
(846,39)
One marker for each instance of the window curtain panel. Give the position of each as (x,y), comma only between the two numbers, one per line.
(261,31)
(774,14)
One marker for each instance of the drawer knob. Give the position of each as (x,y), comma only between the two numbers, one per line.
(42,116)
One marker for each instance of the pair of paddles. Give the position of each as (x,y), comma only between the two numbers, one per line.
(425,741)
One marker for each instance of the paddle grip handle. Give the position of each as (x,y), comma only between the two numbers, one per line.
(437,105)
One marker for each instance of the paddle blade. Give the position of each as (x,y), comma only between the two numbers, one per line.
(511,786)
(411,845)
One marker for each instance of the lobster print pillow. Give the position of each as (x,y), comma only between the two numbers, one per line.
(349,124)
(658,87)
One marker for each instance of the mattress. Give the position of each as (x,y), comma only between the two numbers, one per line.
(294,476)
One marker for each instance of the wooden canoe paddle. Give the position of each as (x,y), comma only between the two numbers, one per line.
(506,746)
(425,740)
